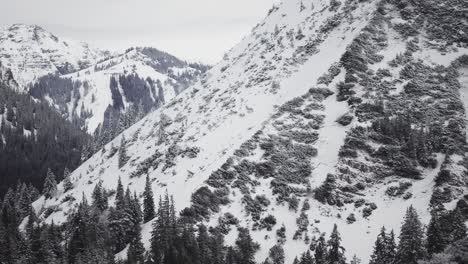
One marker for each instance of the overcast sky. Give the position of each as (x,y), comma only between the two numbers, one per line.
(200,30)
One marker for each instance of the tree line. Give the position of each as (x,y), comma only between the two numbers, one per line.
(96,231)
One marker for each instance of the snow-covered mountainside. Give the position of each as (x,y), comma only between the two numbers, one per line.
(341,112)
(31,52)
(139,77)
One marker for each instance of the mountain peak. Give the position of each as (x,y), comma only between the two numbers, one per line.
(30,52)
(25,32)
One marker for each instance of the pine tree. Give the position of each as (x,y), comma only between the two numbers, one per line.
(33,192)
(411,246)
(390,247)
(307,258)
(380,250)
(203,241)
(79,239)
(459,230)
(148,201)
(436,241)
(217,246)
(67,184)
(321,253)
(99,196)
(335,250)
(119,196)
(231,256)
(276,255)
(246,247)
(123,157)
(24,201)
(136,251)
(50,185)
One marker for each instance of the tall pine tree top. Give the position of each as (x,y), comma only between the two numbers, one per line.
(148,201)
(411,246)
(50,185)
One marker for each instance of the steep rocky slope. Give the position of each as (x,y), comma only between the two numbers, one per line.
(329,112)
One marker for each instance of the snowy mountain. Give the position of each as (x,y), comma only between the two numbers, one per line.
(329,112)
(144,77)
(31,52)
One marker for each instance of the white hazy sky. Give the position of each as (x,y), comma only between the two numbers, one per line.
(199,30)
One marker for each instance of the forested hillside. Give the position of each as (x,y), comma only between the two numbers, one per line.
(34,138)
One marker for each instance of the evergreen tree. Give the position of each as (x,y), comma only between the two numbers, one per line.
(24,201)
(321,252)
(79,241)
(123,157)
(436,241)
(33,192)
(335,250)
(136,251)
(276,255)
(390,247)
(458,227)
(245,247)
(231,256)
(99,196)
(411,246)
(217,246)
(50,185)
(307,258)
(148,201)
(380,250)
(67,184)
(119,196)
(203,241)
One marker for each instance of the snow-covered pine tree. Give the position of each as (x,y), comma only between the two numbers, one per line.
(123,157)
(99,197)
(321,252)
(379,253)
(390,246)
(24,201)
(335,250)
(148,201)
(119,196)
(50,185)
(411,246)
(306,258)
(67,184)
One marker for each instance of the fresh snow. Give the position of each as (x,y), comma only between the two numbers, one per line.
(235,99)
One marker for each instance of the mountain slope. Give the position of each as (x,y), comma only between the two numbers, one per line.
(31,52)
(317,106)
(139,77)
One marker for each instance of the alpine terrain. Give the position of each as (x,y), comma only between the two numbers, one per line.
(335,132)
